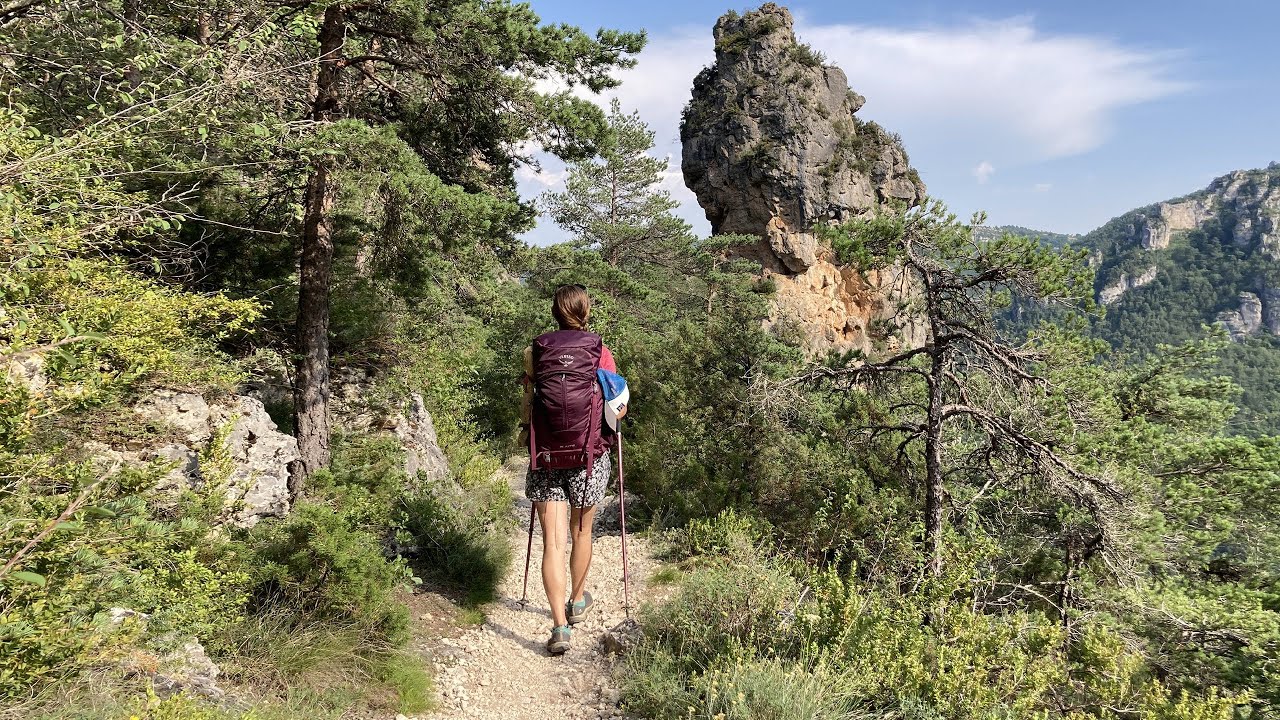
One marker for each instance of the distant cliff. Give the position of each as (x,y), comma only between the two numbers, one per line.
(772,147)
(1234,222)
(1211,257)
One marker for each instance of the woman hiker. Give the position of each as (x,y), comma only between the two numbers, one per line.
(553,480)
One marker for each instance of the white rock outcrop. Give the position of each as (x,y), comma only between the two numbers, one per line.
(250,461)
(183,668)
(1247,202)
(417,434)
(1256,313)
(1245,320)
(1116,290)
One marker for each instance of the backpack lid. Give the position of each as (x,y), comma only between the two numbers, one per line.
(616,395)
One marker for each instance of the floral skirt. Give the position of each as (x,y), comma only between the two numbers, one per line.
(571,484)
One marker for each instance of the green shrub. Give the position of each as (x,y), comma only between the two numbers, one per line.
(804,54)
(194,592)
(463,542)
(732,643)
(180,707)
(725,611)
(322,564)
(776,690)
(325,667)
(410,681)
(655,683)
(113,551)
(1107,673)
(728,535)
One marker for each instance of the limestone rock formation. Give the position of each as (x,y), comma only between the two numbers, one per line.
(772,147)
(257,454)
(187,669)
(623,637)
(1256,312)
(1156,230)
(417,434)
(355,407)
(1270,297)
(1244,320)
(260,456)
(183,668)
(28,371)
(1246,202)
(1124,284)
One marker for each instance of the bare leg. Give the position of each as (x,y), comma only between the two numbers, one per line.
(580,556)
(553,536)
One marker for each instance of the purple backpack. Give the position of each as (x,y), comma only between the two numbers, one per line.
(567,402)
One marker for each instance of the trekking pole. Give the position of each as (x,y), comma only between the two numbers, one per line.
(622,514)
(533,511)
(528,551)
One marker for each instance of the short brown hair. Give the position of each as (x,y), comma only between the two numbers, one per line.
(571,307)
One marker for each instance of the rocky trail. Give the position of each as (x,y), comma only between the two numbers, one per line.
(500,669)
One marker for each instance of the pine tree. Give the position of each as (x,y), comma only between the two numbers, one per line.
(965,396)
(616,204)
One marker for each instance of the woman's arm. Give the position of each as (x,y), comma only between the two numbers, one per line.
(526,402)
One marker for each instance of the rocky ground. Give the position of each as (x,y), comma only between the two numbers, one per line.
(500,669)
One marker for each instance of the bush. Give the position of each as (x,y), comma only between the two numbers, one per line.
(976,665)
(180,707)
(410,681)
(112,551)
(728,535)
(322,564)
(776,690)
(463,542)
(722,614)
(733,643)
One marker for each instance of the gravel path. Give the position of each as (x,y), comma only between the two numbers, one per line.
(501,670)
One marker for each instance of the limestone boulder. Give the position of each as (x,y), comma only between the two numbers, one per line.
(417,434)
(622,637)
(187,413)
(260,456)
(232,442)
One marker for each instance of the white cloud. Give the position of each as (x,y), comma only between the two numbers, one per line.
(542,178)
(1040,95)
(998,90)
(1042,187)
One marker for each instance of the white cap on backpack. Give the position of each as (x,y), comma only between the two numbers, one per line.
(616,395)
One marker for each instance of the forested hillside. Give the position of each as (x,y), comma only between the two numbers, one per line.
(1052,239)
(262,306)
(1170,272)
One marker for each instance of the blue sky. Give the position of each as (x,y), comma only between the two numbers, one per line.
(1052,115)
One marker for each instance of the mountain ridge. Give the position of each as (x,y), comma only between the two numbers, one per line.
(1211,257)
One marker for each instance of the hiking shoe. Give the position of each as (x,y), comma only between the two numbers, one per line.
(559,642)
(576,612)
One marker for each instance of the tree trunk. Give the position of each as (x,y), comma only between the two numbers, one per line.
(1064,595)
(933,470)
(132,75)
(311,395)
